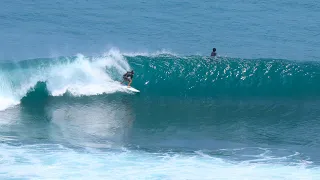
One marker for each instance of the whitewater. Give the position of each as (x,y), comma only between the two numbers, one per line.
(77,76)
(63,163)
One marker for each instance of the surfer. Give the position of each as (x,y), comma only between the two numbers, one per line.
(128,77)
(213,53)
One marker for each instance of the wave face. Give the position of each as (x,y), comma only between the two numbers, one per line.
(157,74)
(202,76)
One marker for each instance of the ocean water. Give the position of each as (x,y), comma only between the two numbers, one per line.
(252,112)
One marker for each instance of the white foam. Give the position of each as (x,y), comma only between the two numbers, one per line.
(83,76)
(57,162)
(149,54)
(7,103)
(7,99)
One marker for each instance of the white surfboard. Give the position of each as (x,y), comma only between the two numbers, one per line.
(131,88)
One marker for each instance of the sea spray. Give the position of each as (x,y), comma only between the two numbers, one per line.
(78,75)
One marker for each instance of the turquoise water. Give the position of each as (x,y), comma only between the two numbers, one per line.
(250,113)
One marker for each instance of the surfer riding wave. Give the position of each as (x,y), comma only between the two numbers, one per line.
(128,76)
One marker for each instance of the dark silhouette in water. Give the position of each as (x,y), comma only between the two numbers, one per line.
(213,53)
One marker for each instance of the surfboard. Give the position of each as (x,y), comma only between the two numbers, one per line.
(131,88)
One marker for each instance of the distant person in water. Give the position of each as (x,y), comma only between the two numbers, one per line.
(213,53)
(128,77)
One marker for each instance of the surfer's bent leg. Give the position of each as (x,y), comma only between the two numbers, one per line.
(130,81)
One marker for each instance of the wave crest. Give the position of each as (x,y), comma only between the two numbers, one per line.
(77,75)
